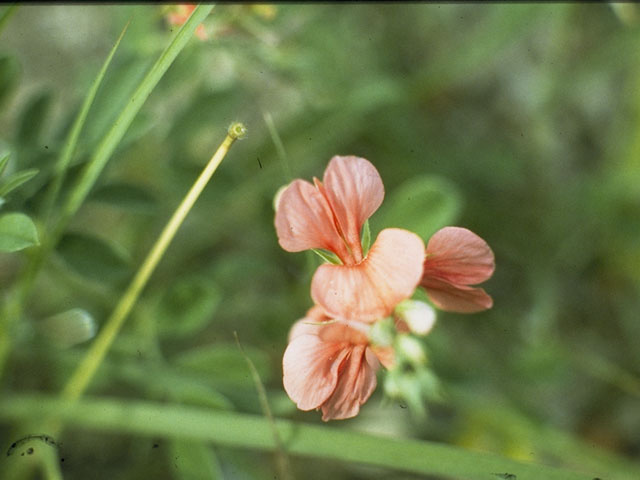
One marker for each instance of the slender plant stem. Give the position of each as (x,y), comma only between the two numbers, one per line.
(282,460)
(12,308)
(83,374)
(277,141)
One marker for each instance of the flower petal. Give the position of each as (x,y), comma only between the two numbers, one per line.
(386,356)
(371,289)
(304,220)
(354,189)
(309,324)
(456,298)
(356,383)
(458,256)
(310,369)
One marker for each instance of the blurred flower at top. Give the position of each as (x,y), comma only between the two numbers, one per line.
(266,12)
(177,15)
(329,215)
(457,258)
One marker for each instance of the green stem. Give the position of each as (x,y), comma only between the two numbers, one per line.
(12,309)
(277,141)
(283,464)
(83,374)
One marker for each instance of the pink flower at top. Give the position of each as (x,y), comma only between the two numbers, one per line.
(457,258)
(331,365)
(329,215)
(179,14)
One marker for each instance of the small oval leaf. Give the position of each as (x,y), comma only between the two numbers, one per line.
(224,362)
(125,196)
(9,73)
(68,328)
(94,258)
(187,307)
(193,460)
(34,118)
(17,232)
(422,205)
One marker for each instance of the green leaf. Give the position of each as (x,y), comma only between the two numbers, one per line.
(9,73)
(68,328)
(15,180)
(17,232)
(422,205)
(193,460)
(125,196)
(187,307)
(33,118)
(175,383)
(224,362)
(94,258)
(366,237)
(327,256)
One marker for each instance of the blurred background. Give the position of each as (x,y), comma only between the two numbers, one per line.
(519,122)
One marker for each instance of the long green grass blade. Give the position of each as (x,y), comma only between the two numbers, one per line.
(113,137)
(6,15)
(4,159)
(17,179)
(250,431)
(71,141)
(91,172)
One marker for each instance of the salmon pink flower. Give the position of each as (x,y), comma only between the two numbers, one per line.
(179,14)
(330,365)
(330,215)
(457,258)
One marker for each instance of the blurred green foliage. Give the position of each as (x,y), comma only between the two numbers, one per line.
(519,122)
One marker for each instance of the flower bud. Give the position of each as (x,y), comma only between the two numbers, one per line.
(382,332)
(278,195)
(237,130)
(419,316)
(392,385)
(411,349)
(68,328)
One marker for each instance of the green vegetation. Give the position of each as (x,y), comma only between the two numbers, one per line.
(519,122)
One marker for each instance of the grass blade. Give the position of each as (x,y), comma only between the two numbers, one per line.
(17,179)
(71,141)
(90,173)
(239,430)
(3,162)
(113,137)
(6,15)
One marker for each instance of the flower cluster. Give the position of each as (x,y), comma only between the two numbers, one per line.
(331,360)
(177,15)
